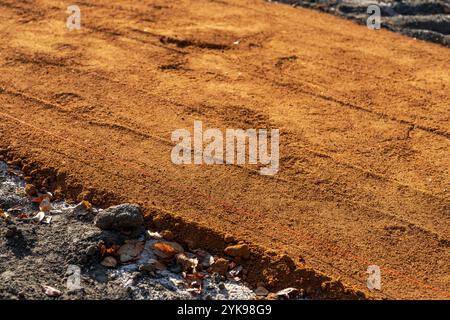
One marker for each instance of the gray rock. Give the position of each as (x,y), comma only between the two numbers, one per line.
(100,276)
(126,218)
(81,212)
(422,19)
(8,201)
(152,265)
(91,250)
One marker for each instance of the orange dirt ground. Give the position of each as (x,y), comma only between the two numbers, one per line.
(363,118)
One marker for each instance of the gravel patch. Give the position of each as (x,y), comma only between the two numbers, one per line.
(421,19)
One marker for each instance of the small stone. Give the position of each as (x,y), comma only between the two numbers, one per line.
(100,276)
(229,238)
(239,250)
(261,292)
(5,215)
(50,291)
(91,250)
(167,235)
(220,266)
(130,250)
(152,265)
(30,190)
(125,218)
(179,283)
(109,262)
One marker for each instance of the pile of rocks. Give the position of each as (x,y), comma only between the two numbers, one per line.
(421,19)
(139,262)
(147,258)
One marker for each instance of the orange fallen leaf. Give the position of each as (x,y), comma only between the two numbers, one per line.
(37,199)
(41,197)
(22,216)
(166,249)
(108,251)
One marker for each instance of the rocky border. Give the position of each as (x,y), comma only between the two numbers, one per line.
(425,20)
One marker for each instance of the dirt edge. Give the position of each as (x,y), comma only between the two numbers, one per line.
(276,271)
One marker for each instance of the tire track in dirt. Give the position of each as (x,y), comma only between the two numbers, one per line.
(140,134)
(183,43)
(168,142)
(308,237)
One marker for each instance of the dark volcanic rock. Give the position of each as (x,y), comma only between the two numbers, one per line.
(421,19)
(125,218)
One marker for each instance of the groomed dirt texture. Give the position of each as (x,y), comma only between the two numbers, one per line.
(363,118)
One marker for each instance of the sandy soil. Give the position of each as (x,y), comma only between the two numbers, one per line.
(363,115)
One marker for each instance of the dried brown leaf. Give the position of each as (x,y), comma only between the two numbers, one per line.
(50,291)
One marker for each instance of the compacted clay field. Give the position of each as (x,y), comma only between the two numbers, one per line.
(363,117)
